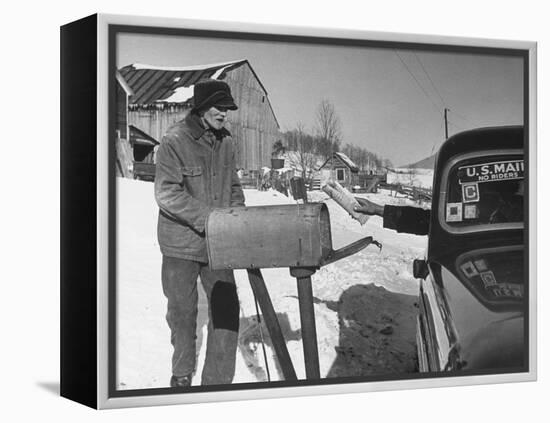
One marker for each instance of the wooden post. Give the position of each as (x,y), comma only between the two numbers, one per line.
(307,321)
(270,317)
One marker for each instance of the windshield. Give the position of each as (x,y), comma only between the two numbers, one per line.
(485,191)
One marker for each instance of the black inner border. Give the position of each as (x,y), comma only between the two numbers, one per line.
(114,30)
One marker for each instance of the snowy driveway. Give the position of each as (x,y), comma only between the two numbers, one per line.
(364,304)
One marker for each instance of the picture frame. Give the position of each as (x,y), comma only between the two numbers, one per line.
(90,342)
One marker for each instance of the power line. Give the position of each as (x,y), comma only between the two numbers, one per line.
(456,126)
(462,117)
(437,91)
(436,107)
(429,78)
(436,141)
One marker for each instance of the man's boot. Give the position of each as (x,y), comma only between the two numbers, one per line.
(180,381)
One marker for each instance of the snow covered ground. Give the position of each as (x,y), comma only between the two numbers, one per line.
(364,304)
(422,178)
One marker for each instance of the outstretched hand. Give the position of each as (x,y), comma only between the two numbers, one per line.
(368,207)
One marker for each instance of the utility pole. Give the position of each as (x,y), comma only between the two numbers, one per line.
(446,124)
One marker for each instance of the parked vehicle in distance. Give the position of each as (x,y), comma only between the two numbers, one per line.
(473,280)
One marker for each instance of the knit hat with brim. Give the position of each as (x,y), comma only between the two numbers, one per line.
(211,92)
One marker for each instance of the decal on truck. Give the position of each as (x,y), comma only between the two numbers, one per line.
(470,193)
(454,212)
(491,172)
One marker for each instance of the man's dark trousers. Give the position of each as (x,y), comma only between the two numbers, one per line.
(179,283)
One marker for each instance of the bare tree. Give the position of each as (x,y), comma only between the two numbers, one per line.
(329,129)
(278,148)
(412,175)
(363,158)
(304,145)
(387,163)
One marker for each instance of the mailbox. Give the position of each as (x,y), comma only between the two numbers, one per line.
(296,235)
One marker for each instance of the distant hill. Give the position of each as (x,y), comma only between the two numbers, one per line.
(427,163)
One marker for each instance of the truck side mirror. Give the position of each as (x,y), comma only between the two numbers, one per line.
(420,269)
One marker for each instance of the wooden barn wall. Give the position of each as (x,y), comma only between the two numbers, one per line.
(121,108)
(156,122)
(253,125)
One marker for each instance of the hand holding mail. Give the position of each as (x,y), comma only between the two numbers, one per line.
(368,207)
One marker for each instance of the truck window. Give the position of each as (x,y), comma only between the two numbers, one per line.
(495,275)
(485,191)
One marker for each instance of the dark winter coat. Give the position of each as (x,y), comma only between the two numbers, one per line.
(195,173)
(412,220)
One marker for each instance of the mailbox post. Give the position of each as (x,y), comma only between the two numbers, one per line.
(298,187)
(307,320)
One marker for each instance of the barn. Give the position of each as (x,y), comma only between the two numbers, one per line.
(156,97)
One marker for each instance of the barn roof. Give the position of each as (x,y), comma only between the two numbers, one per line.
(174,84)
(153,84)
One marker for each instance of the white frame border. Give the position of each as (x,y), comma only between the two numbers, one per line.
(103,400)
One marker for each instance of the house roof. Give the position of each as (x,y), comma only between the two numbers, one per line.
(140,137)
(346,161)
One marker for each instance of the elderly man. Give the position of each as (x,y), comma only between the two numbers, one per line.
(195,172)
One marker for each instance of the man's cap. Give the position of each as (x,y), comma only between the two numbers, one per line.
(211,92)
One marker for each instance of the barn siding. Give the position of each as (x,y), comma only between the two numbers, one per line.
(156,122)
(253,126)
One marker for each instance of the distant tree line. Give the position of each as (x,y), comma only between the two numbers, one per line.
(325,139)
(365,159)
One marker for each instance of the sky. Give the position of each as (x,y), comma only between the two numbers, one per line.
(389,101)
